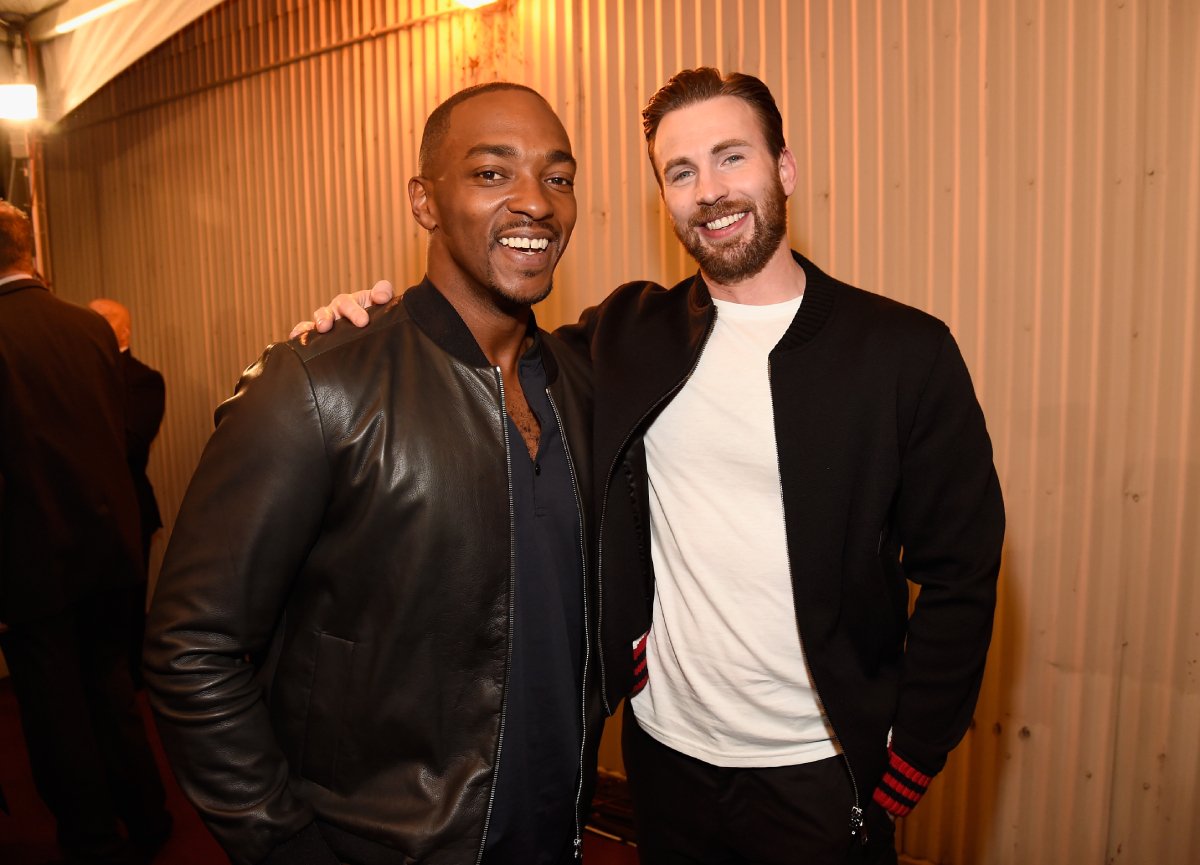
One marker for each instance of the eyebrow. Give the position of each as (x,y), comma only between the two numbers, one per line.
(507,151)
(720,146)
(502,150)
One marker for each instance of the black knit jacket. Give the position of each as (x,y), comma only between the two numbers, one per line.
(887,478)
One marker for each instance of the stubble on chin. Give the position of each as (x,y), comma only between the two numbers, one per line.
(514,299)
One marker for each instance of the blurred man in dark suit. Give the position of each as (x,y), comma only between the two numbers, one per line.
(145,400)
(70,555)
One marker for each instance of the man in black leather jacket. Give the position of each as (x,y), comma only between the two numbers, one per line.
(372,637)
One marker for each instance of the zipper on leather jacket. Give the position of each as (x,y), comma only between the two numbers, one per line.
(587,642)
(512,591)
(604,502)
(856,811)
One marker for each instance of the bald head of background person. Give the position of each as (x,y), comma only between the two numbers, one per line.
(117,316)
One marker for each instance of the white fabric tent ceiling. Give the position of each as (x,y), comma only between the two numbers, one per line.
(27,8)
(75,65)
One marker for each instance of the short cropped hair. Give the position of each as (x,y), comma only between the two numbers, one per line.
(699,85)
(438,123)
(16,238)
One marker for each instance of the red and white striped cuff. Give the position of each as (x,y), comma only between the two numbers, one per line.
(640,674)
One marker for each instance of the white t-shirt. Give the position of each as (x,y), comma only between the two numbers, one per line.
(728,683)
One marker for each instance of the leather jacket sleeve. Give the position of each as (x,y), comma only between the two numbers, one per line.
(249,517)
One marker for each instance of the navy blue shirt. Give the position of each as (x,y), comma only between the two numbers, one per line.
(533,813)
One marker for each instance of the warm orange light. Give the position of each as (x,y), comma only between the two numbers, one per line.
(474,4)
(18,102)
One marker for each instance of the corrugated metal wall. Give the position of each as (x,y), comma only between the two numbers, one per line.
(1028,170)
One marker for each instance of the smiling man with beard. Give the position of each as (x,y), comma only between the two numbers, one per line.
(370,639)
(800,450)
(777,456)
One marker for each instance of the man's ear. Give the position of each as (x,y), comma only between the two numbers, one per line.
(421,201)
(787,171)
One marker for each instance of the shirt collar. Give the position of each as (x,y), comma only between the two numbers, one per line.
(13,277)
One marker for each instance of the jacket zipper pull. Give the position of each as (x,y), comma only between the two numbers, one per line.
(856,823)
(578,847)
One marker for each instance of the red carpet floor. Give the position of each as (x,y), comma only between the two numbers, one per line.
(27,834)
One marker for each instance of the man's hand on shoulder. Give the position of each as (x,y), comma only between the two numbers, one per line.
(352,307)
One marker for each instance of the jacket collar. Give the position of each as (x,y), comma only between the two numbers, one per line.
(648,349)
(819,295)
(820,292)
(439,320)
(21,284)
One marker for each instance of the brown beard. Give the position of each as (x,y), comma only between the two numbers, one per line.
(738,260)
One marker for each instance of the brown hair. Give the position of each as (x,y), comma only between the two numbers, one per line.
(439,121)
(699,85)
(16,239)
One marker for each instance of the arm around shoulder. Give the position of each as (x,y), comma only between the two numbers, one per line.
(578,336)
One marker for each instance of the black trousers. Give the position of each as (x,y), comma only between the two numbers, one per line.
(91,761)
(689,812)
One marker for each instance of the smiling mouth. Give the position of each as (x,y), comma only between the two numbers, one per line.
(528,245)
(726,221)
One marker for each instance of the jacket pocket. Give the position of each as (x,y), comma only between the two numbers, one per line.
(879,612)
(327,704)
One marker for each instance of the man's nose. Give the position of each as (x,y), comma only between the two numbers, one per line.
(710,187)
(531,198)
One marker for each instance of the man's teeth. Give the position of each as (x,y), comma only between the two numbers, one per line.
(724,221)
(534,243)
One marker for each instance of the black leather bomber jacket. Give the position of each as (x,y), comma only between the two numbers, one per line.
(327,646)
